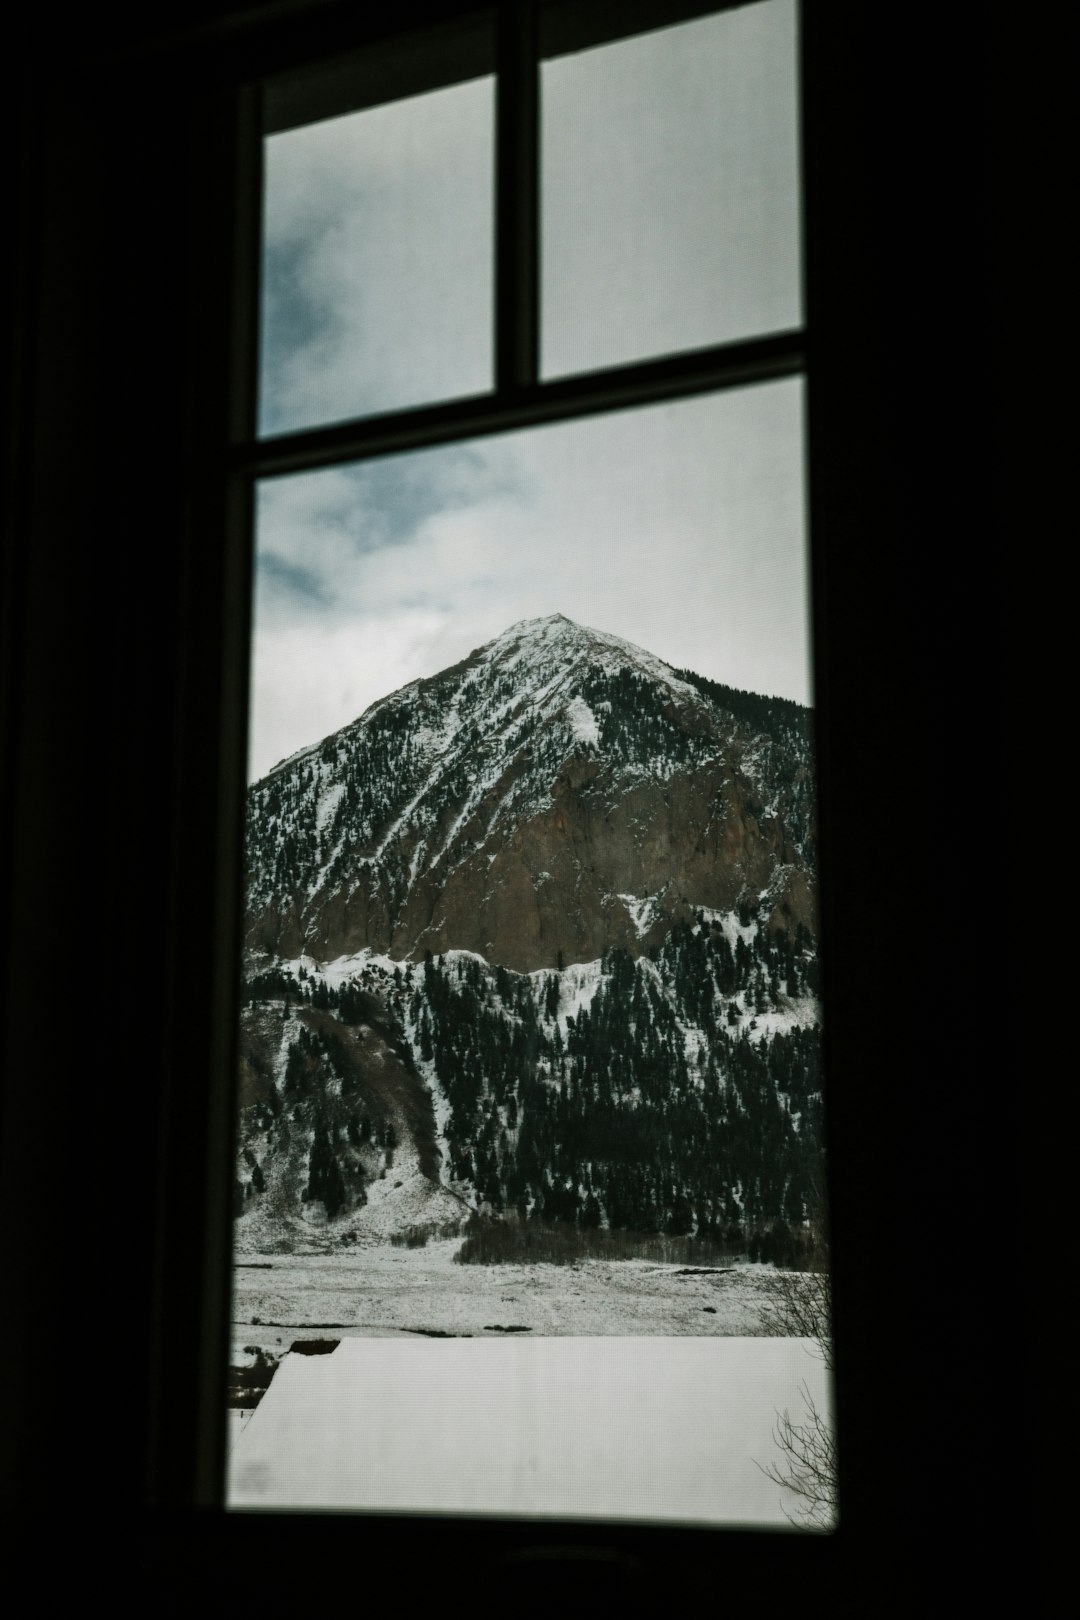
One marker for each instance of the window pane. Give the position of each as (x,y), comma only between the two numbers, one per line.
(670,211)
(531,975)
(377,259)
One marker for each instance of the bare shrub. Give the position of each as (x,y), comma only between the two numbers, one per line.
(809,1466)
(418,1237)
(413,1237)
(799,1306)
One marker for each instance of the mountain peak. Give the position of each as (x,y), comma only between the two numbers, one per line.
(537,650)
(552,626)
(530,799)
(547,627)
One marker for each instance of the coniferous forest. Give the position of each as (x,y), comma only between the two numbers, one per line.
(662,1094)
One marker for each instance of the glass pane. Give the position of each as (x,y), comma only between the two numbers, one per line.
(377,259)
(670,202)
(530,1056)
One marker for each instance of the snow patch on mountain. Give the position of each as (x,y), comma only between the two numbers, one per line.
(327,805)
(583,726)
(643,909)
(578,985)
(729,924)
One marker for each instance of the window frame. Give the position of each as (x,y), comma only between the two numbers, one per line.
(522,35)
(519,398)
(879,329)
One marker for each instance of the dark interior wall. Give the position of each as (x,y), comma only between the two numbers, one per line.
(97,654)
(122,613)
(912,503)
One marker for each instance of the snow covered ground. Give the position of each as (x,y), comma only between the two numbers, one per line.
(630,1389)
(589,1428)
(379,1290)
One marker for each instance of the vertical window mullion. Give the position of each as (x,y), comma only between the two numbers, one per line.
(517,199)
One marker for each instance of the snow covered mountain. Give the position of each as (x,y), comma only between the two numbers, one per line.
(559,791)
(535,935)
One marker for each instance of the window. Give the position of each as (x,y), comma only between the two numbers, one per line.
(122,754)
(629,462)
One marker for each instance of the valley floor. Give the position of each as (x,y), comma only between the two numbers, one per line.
(381,1290)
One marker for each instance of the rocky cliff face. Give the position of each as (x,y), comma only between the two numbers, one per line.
(558,793)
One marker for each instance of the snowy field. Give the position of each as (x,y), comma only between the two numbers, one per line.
(381,1290)
(629,1390)
(586,1428)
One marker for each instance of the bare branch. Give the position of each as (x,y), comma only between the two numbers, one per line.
(809,1469)
(799,1306)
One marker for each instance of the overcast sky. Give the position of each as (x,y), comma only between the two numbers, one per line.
(669,203)
(669,219)
(377,259)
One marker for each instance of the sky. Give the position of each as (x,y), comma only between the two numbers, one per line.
(668,220)
(669,200)
(377,259)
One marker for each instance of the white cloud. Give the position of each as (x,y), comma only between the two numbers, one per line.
(378,263)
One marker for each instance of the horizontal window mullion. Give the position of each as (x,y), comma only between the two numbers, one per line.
(730,365)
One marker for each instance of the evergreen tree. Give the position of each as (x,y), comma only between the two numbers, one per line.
(551,1002)
(334,1188)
